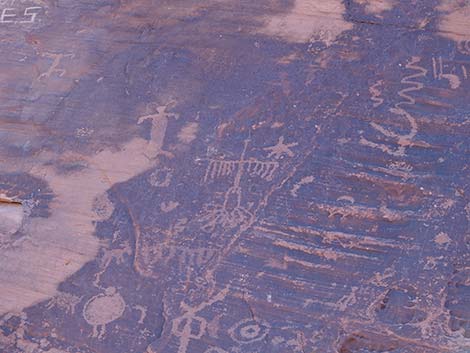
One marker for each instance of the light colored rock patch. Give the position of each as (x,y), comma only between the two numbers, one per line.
(376,7)
(54,248)
(454,20)
(307,20)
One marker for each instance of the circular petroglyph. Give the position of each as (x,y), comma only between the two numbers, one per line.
(248,331)
(103,309)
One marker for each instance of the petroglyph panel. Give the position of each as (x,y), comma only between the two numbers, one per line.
(234,177)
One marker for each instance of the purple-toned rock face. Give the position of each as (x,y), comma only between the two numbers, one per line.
(222,176)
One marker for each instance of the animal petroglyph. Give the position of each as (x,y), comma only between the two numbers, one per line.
(347,300)
(405,140)
(108,256)
(103,309)
(306,19)
(56,247)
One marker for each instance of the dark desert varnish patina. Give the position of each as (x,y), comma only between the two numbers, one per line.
(215,176)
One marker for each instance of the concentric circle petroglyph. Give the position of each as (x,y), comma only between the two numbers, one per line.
(248,331)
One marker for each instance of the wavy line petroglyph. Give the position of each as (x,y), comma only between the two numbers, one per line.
(55,247)
(376,93)
(322,20)
(405,140)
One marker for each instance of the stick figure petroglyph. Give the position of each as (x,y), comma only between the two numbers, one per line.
(159,118)
(232,213)
(281,148)
(184,326)
(54,68)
